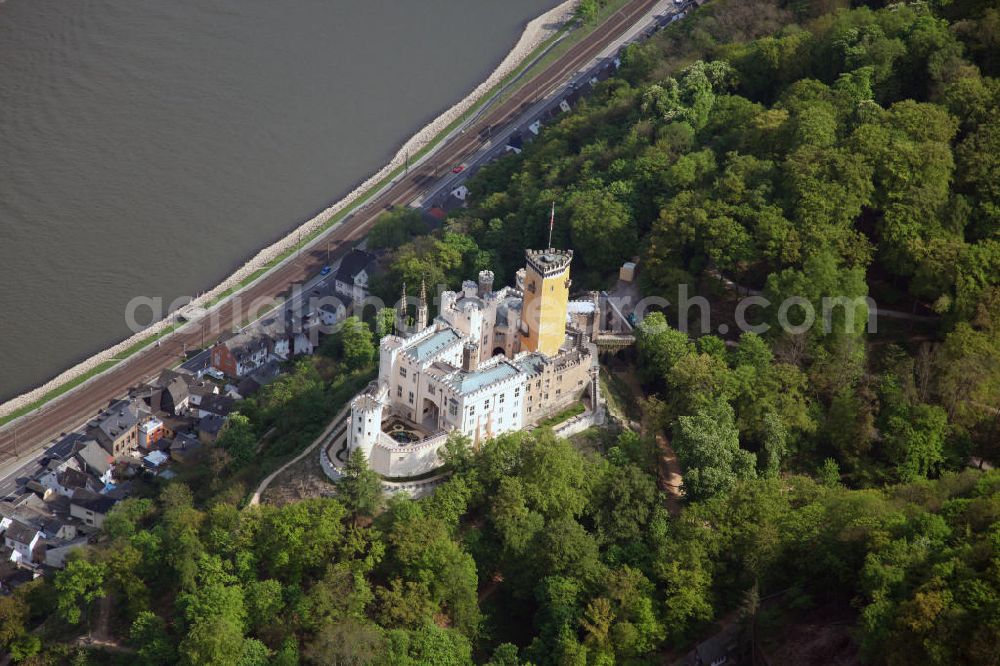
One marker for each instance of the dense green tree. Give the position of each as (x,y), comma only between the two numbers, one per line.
(708,446)
(78,586)
(659,347)
(360,486)
(396,227)
(357,347)
(239,439)
(152,642)
(13,616)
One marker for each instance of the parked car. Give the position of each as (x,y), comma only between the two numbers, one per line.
(458,169)
(325,270)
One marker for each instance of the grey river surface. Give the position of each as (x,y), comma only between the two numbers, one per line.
(149,147)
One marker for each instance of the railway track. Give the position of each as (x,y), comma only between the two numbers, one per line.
(67,412)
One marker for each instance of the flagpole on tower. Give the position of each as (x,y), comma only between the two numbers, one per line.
(552,222)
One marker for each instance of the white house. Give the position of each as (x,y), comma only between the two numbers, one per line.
(351,279)
(21,539)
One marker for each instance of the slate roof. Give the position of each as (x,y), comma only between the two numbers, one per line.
(353,263)
(92,501)
(20,532)
(211,424)
(52,526)
(217,404)
(94,457)
(71,478)
(432,345)
(247,342)
(121,416)
(465,383)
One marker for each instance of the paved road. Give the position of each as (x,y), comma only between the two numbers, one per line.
(16,472)
(65,413)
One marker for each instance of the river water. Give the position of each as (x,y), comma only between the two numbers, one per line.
(148,147)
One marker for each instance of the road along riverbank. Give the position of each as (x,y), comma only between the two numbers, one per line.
(535,34)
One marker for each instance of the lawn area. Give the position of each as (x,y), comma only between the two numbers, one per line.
(564,415)
(57,391)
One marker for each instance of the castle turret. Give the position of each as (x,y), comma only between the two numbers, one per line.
(546,299)
(470,357)
(422,306)
(485,283)
(366,423)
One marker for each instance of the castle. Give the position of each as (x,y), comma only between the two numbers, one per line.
(491,362)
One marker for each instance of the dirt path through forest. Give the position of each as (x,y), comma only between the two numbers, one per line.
(668,469)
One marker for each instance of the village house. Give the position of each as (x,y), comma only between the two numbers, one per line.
(198,389)
(219,405)
(351,279)
(241,354)
(209,428)
(95,460)
(184,446)
(22,540)
(90,508)
(116,429)
(55,555)
(167,394)
(150,432)
(65,476)
(56,530)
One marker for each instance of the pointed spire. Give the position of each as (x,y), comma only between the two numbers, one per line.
(401,313)
(422,307)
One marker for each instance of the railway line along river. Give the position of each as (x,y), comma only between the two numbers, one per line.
(147,148)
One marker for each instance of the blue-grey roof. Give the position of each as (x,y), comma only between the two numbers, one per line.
(532,363)
(430,346)
(469,382)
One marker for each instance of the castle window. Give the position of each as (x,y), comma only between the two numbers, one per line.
(399,391)
(517,391)
(402,371)
(411,397)
(502,396)
(453,408)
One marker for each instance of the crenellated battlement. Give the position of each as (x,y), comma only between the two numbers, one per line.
(550,262)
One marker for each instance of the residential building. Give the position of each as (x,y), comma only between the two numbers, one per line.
(22,540)
(116,428)
(241,354)
(90,508)
(150,432)
(95,460)
(351,278)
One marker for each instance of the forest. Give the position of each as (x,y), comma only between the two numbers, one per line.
(794,148)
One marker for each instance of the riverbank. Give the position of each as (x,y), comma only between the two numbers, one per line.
(535,34)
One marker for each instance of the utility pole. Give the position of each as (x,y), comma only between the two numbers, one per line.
(406,169)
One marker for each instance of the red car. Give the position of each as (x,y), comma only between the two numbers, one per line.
(459,169)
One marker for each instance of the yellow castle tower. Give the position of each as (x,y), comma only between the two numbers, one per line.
(546,299)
